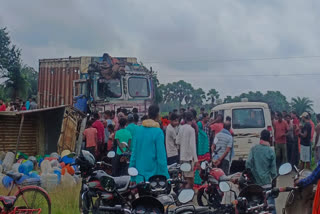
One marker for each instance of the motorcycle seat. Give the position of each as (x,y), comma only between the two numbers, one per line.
(189,208)
(122,182)
(224,178)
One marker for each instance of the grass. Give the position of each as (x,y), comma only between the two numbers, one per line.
(63,200)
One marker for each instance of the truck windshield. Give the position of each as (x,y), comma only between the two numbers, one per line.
(138,87)
(109,88)
(248,118)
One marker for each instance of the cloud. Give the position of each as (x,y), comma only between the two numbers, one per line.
(180,39)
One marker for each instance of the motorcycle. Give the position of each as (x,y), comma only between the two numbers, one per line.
(149,205)
(209,193)
(93,185)
(176,177)
(160,187)
(298,200)
(253,198)
(157,189)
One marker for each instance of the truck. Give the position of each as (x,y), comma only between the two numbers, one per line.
(107,83)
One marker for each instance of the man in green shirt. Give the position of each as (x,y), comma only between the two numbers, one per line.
(122,136)
(262,163)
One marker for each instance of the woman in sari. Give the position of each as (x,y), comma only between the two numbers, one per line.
(202,150)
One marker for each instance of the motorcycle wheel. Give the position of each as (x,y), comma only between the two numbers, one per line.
(204,200)
(95,209)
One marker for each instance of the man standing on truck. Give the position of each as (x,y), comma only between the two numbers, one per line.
(281,129)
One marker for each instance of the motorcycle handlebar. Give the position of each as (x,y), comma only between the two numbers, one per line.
(115,208)
(177,180)
(104,163)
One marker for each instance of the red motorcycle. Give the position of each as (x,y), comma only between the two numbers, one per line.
(209,194)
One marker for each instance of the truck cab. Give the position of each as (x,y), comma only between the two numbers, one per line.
(132,89)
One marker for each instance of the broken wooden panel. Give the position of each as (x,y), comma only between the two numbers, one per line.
(69,130)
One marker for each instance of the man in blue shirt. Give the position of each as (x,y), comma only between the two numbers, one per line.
(148,148)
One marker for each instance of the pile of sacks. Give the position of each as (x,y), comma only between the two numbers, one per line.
(48,171)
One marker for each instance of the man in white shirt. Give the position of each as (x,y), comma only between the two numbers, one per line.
(171,135)
(186,139)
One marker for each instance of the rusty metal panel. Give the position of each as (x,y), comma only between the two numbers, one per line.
(9,132)
(56,82)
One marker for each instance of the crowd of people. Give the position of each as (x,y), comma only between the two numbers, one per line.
(19,105)
(155,143)
(185,136)
(295,138)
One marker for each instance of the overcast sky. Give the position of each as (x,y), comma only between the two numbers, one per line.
(190,40)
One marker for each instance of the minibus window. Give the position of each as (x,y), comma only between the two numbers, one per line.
(248,118)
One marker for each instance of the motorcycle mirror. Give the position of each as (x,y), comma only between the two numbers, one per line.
(133,171)
(224,186)
(285,169)
(111,154)
(185,196)
(203,165)
(185,167)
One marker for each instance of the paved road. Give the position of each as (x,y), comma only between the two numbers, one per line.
(283,181)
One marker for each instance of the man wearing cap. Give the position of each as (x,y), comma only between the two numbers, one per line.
(305,141)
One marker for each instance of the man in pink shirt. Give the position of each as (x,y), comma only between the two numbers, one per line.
(90,136)
(100,134)
(281,129)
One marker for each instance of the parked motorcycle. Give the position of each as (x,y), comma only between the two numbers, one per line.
(94,185)
(299,200)
(177,180)
(252,199)
(149,205)
(209,193)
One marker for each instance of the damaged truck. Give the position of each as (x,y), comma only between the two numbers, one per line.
(95,83)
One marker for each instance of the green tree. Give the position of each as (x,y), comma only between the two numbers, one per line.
(275,99)
(228,99)
(180,91)
(9,53)
(19,81)
(16,84)
(197,97)
(213,95)
(157,91)
(301,105)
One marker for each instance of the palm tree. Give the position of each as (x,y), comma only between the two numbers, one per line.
(213,95)
(301,105)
